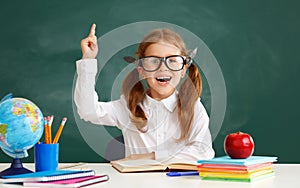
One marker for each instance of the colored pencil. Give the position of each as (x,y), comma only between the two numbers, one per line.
(58,133)
(50,120)
(46,130)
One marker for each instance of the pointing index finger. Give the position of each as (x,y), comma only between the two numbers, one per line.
(93,30)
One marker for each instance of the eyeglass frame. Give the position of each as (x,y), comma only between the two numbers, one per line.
(186,61)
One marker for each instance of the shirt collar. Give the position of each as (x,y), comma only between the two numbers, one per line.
(170,103)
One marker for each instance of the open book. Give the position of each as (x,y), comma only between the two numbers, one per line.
(151,165)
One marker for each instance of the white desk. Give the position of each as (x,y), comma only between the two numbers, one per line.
(286,176)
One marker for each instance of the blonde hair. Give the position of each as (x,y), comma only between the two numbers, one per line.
(188,93)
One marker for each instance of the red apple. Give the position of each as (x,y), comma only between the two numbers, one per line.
(239,145)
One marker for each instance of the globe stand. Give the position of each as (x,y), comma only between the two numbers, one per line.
(15,168)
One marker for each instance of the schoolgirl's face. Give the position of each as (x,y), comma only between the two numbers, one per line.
(163,81)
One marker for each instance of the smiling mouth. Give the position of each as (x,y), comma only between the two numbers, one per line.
(163,79)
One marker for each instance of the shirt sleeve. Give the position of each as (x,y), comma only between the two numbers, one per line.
(86,98)
(199,144)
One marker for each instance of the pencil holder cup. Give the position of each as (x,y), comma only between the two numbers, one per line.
(46,157)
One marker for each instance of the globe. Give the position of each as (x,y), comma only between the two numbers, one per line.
(21,126)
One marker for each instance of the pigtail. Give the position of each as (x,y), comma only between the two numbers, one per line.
(133,91)
(189,92)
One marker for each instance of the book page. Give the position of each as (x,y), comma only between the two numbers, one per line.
(141,162)
(138,165)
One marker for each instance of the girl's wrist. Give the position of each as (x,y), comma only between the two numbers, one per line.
(87,57)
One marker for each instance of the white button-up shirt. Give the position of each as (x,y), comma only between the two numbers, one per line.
(163,127)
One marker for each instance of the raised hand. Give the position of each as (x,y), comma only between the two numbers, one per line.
(89,46)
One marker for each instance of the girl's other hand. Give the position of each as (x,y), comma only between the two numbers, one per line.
(89,46)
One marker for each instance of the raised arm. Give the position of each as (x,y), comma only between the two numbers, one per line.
(85,96)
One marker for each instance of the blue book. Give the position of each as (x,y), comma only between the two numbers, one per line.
(45,176)
(244,162)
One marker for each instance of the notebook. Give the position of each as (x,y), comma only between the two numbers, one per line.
(248,161)
(77,182)
(45,176)
(253,179)
(236,175)
(234,168)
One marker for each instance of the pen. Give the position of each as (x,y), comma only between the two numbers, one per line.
(187,173)
(58,133)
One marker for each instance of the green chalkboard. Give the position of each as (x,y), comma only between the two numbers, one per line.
(256,45)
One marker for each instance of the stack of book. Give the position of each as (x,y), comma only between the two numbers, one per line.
(245,170)
(57,178)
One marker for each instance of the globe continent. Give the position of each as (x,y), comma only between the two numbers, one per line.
(21,126)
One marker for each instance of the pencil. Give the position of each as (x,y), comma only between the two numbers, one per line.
(50,120)
(46,130)
(58,133)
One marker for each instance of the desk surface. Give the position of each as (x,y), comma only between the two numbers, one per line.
(286,175)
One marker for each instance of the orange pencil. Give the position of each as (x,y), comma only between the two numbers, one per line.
(50,120)
(46,130)
(58,133)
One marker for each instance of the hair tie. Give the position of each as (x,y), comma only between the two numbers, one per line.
(129,59)
(191,55)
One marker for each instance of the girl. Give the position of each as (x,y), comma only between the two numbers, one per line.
(158,122)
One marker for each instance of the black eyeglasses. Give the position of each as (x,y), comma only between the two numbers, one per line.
(173,62)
